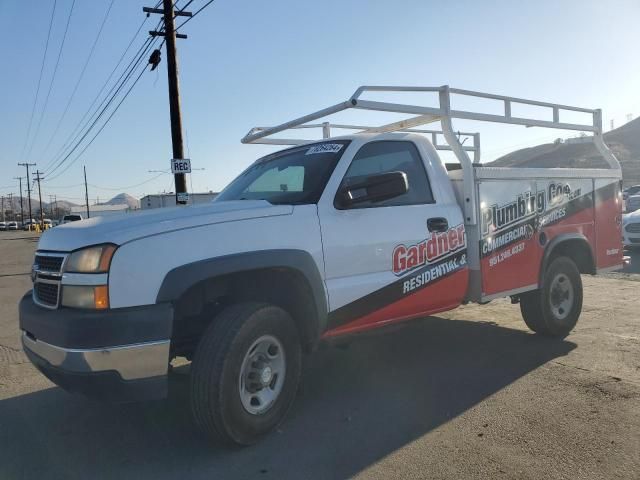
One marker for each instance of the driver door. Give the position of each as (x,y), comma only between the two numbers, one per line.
(370,274)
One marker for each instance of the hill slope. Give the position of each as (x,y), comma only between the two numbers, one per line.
(124,199)
(35,204)
(624,142)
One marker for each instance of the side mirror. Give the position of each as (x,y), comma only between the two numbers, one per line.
(372,188)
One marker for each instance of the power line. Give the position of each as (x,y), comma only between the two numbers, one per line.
(72,137)
(185,5)
(102,107)
(128,186)
(82,72)
(35,100)
(136,62)
(194,15)
(105,123)
(65,186)
(98,186)
(53,78)
(88,130)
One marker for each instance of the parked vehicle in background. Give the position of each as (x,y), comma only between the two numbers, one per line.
(12,226)
(634,190)
(633,203)
(631,229)
(3,226)
(627,193)
(315,242)
(47,223)
(74,217)
(28,224)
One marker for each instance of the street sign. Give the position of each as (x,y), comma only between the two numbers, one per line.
(183,197)
(180,165)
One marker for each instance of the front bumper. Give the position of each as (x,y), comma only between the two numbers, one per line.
(114,355)
(630,239)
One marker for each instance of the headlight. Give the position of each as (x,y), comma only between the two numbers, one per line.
(84,296)
(91,260)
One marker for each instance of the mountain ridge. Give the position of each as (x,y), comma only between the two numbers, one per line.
(623,141)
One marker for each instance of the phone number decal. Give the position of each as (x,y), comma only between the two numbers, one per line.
(516,249)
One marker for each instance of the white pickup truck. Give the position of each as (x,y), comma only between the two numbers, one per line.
(324,239)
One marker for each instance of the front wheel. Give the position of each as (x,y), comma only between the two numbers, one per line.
(554,309)
(245,373)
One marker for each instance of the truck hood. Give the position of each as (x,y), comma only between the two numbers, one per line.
(131,226)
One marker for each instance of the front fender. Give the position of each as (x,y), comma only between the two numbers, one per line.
(182,278)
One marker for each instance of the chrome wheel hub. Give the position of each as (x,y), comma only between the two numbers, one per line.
(266,375)
(262,374)
(561,296)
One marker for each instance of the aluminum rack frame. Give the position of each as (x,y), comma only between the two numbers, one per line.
(422,115)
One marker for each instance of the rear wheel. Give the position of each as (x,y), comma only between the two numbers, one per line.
(554,309)
(245,373)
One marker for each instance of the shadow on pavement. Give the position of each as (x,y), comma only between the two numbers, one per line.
(355,406)
(31,239)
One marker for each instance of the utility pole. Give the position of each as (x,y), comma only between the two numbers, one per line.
(51,204)
(38,178)
(11,205)
(170,36)
(28,187)
(21,211)
(2,207)
(86,191)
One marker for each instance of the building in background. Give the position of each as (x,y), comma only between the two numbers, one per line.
(102,210)
(163,200)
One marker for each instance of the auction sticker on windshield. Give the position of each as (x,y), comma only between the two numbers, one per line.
(324,148)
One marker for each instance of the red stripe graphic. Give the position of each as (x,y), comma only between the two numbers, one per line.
(442,295)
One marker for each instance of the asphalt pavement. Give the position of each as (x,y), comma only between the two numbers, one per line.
(467,394)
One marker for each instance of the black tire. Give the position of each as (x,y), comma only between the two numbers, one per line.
(216,402)
(550,311)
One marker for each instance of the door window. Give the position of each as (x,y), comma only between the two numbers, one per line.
(391,156)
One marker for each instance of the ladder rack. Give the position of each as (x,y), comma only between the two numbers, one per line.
(423,115)
(327,128)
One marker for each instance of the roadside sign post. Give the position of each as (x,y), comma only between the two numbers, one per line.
(180,165)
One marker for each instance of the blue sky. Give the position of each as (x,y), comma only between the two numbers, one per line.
(250,63)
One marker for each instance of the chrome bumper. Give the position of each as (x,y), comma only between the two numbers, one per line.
(131,362)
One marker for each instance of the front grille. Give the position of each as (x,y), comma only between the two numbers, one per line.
(47,293)
(633,228)
(47,263)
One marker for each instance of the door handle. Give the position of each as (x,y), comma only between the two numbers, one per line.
(437,224)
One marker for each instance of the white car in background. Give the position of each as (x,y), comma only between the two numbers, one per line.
(633,190)
(27,224)
(633,203)
(3,226)
(74,217)
(631,229)
(12,226)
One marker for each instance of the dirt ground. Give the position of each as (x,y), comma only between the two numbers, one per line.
(467,394)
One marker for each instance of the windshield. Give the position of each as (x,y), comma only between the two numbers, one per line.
(294,176)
